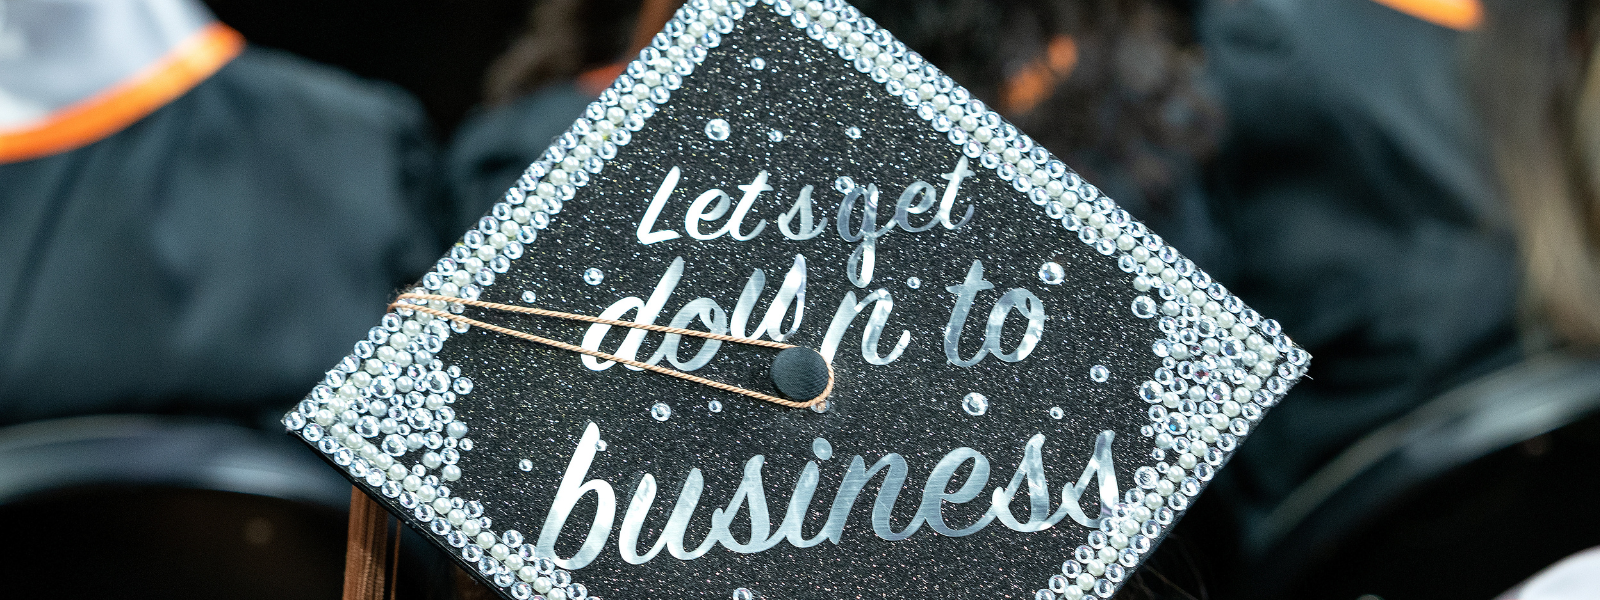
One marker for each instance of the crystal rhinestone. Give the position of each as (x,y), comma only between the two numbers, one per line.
(660,411)
(1099,373)
(975,404)
(528,297)
(742,594)
(913,282)
(1051,273)
(525,465)
(714,406)
(775,135)
(757,63)
(844,184)
(1146,477)
(593,276)
(1057,413)
(1144,307)
(853,133)
(718,129)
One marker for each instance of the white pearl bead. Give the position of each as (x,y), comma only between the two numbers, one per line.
(1085,581)
(1107,555)
(1186,460)
(1154,500)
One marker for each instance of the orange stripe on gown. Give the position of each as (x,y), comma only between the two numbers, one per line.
(97,117)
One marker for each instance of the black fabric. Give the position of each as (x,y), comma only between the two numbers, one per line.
(800,373)
(1357,194)
(495,145)
(218,254)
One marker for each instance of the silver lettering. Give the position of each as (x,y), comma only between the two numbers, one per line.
(954,178)
(965,293)
(649,221)
(859,266)
(802,208)
(882,303)
(568,495)
(934,493)
(648,311)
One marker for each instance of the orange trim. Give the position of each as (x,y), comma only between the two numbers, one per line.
(1035,82)
(596,80)
(1460,15)
(97,117)
(653,17)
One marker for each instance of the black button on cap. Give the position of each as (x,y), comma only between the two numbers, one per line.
(800,373)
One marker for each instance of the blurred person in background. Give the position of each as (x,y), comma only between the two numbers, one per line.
(1535,75)
(1380,209)
(189,224)
(192,230)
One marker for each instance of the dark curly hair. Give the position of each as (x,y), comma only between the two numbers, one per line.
(1109,85)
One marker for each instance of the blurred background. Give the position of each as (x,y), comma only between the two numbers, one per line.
(203,204)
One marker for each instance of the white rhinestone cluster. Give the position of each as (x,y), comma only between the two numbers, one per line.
(389,401)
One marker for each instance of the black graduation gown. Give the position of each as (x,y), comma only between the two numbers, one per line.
(216,256)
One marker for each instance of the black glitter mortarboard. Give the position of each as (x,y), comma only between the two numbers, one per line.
(1029,386)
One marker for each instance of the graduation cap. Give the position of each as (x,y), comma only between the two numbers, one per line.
(940,363)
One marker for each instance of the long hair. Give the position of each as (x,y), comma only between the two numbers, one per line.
(1099,82)
(1108,82)
(562,39)
(1536,78)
